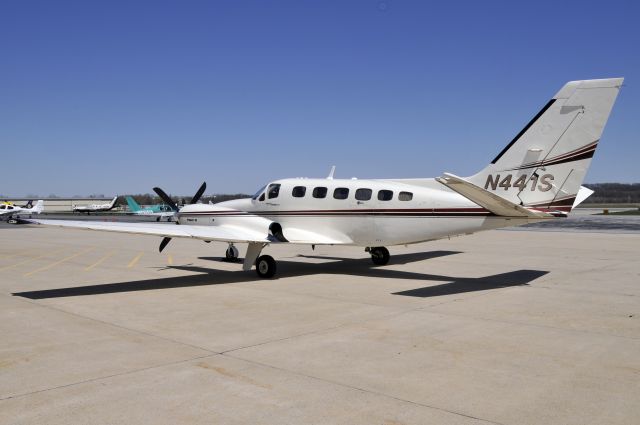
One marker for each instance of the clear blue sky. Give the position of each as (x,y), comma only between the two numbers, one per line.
(116,97)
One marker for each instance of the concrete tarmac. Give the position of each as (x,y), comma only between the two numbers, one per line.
(501,327)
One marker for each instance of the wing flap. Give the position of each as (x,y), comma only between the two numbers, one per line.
(486,199)
(221,233)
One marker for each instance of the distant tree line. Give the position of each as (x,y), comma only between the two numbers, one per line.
(614,193)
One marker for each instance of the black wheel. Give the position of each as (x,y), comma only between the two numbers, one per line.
(380,255)
(231,254)
(265,266)
(158,219)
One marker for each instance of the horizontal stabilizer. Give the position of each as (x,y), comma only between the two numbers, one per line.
(583,193)
(489,201)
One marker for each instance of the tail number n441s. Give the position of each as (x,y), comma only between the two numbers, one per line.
(543,184)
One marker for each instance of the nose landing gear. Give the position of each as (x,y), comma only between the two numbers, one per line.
(231,254)
(379,255)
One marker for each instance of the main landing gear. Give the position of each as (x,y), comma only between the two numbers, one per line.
(265,266)
(379,255)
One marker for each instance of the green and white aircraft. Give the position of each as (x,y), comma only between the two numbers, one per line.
(159,210)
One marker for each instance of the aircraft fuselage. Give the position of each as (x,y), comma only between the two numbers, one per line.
(355,212)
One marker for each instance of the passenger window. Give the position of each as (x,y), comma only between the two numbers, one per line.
(341,193)
(320,192)
(261,198)
(363,194)
(299,191)
(405,196)
(385,195)
(274,190)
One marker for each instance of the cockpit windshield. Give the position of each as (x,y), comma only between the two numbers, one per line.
(254,197)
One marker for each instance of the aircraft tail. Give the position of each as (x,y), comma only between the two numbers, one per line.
(133,205)
(545,164)
(39,207)
(113,202)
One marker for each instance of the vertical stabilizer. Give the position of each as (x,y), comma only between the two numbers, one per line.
(39,207)
(133,205)
(113,202)
(545,163)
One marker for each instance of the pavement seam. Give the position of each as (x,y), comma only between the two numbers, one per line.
(352,387)
(116,325)
(534,325)
(99,378)
(319,331)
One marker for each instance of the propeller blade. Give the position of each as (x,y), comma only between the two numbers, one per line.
(199,193)
(166,198)
(164,243)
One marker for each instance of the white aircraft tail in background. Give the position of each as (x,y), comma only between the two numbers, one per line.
(536,177)
(38,208)
(8,210)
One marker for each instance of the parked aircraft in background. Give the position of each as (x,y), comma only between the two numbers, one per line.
(7,210)
(96,207)
(160,210)
(29,204)
(536,177)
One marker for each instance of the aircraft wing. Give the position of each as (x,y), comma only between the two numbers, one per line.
(222,233)
(207,233)
(488,200)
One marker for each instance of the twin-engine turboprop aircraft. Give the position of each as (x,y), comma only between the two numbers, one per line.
(96,207)
(536,177)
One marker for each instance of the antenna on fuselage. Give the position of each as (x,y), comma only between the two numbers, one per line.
(331,173)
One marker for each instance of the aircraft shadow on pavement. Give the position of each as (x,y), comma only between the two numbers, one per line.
(337,266)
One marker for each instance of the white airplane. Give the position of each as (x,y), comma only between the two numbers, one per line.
(536,177)
(8,210)
(95,207)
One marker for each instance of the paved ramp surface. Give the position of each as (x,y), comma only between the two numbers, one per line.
(519,327)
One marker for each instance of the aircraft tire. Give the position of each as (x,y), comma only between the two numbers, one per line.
(265,266)
(380,255)
(231,253)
